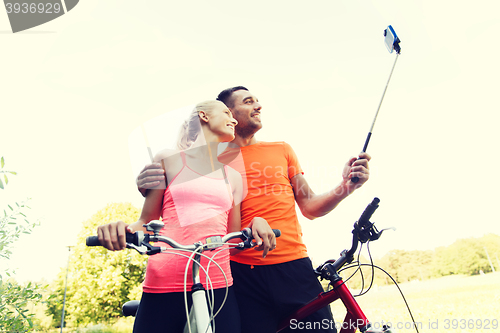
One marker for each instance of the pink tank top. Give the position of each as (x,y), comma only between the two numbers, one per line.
(195,207)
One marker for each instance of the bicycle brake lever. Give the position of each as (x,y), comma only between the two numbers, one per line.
(244,245)
(381,231)
(141,249)
(247,243)
(145,247)
(373,234)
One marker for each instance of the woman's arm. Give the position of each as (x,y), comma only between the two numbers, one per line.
(234,219)
(151,210)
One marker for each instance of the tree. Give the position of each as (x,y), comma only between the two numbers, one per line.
(466,256)
(14,298)
(99,281)
(406,266)
(492,243)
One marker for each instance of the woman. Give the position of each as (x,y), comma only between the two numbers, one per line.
(201,199)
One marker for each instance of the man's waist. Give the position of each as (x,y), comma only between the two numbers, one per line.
(253,257)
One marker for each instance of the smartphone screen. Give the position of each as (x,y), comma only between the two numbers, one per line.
(391,40)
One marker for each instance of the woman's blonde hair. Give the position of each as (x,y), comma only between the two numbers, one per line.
(191,127)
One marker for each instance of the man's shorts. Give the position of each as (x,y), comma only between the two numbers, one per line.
(268,293)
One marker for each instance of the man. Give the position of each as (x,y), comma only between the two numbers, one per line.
(269,289)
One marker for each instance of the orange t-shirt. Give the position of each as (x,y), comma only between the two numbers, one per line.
(268,168)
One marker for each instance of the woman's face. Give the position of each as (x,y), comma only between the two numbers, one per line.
(222,123)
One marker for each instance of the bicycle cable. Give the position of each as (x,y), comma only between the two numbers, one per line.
(360,270)
(358,264)
(211,297)
(229,247)
(352,265)
(211,310)
(400,291)
(208,281)
(361,293)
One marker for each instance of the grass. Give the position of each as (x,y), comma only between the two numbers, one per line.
(449,304)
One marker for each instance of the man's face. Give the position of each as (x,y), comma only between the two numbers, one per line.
(246,110)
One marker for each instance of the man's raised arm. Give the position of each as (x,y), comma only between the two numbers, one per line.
(315,205)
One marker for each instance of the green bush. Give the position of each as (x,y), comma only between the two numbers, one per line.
(99,281)
(14,298)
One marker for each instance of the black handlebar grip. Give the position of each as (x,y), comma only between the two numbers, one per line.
(93,241)
(247,232)
(129,238)
(369,210)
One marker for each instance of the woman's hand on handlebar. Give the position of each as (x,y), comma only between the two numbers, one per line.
(263,235)
(112,235)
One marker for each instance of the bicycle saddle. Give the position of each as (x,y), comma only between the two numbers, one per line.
(130,308)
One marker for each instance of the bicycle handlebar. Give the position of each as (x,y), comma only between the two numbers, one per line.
(138,239)
(368,212)
(363,231)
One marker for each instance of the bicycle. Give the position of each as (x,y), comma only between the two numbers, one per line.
(200,317)
(364,231)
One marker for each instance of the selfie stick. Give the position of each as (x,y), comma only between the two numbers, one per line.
(392,43)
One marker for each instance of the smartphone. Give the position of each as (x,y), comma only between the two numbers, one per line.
(391,40)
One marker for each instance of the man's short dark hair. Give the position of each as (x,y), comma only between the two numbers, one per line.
(225,95)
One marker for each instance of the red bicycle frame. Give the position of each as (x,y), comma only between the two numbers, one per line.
(354,319)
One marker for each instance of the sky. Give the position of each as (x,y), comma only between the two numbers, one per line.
(74,89)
